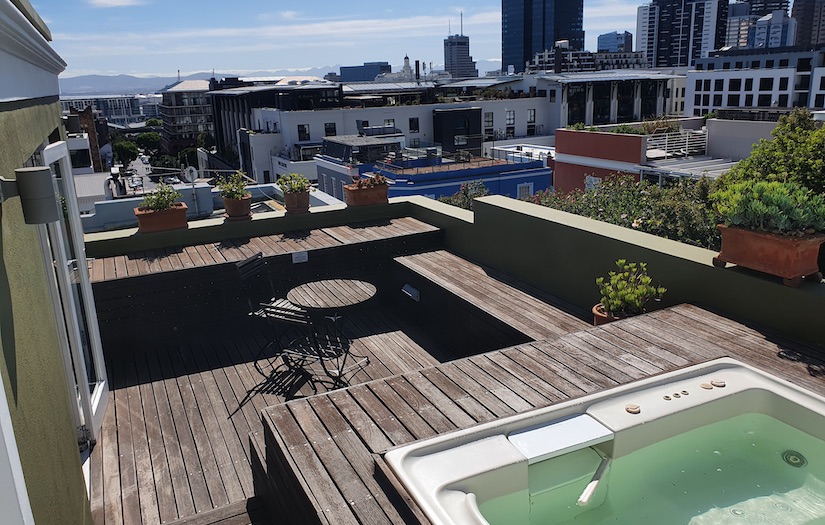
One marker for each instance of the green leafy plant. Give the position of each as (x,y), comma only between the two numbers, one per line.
(465,195)
(161,199)
(293,183)
(777,207)
(626,292)
(369,182)
(233,186)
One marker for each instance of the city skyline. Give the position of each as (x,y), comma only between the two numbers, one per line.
(150,38)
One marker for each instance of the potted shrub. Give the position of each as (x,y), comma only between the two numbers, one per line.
(160,212)
(363,191)
(772,227)
(237,201)
(625,292)
(296,192)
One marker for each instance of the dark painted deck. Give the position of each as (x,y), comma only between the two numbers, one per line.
(322,454)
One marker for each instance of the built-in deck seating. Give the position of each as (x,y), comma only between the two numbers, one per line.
(530,311)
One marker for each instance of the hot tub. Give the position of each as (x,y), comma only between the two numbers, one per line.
(715,443)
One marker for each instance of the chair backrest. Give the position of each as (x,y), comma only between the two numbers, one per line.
(251,267)
(282,310)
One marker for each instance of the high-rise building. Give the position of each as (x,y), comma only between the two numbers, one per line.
(761,8)
(615,42)
(810,19)
(774,30)
(684,30)
(740,24)
(457,59)
(532,26)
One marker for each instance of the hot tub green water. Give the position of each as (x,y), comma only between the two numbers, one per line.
(750,469)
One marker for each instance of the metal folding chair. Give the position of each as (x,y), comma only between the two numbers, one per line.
(288,322)
(326,352)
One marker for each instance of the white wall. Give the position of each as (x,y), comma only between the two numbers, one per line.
(734,139)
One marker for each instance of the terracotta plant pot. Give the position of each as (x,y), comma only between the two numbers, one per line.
(238,209)
(791,258)
(355,196)
(150,221)
(601,316)
(297,202)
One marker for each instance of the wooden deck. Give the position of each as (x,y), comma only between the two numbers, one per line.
(507,301)
(230,251)
(175,437)
(322,458)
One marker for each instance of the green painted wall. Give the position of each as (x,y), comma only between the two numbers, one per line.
(30,362)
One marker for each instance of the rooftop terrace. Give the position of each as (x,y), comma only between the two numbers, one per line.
(194,430)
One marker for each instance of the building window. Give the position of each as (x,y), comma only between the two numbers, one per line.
(763,101)
(531,116)
(733,101)
(739,65)
(783,83)
(822,84)
(783,101)
(735,84)
(783,62)
(769,64)
(697,99)
(510,117)
(488,119)
(748,84)
(389,122)
(717,100)
(326,183)
(819,101)
(765,84)
(698,85)
(303,132)
(414,143)
(707,85)
(726,65)
(718,84)
(755,64)
(552,94)
(329,129)
(711,66)
(524,191)
(705,100)
(748,101)
(460,140)
(413,124)
(510,132)
(531,130)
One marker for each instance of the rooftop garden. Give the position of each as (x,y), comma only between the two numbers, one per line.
(688,210)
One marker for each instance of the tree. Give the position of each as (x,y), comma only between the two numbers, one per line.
(125,151)
(154,123)
(206,141)
(796,154)
(165,161)
(188,157)
(149,140)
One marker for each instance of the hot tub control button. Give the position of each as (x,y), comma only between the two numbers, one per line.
(718,383)
(633,409)
(677,395)
(666,398)
(707,386)
(685,393)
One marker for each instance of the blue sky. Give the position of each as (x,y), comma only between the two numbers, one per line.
(158,37)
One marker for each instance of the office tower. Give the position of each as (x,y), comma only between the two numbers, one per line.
(761,8)
(810,19)
(740,24)
(684,30)
(615,42)
(774,30)
(529,27)
(457,59)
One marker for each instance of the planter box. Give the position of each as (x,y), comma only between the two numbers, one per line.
(296,203)
(238,209)
(355,196)
(150,221)
(791,258)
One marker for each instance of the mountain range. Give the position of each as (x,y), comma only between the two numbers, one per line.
(129,84)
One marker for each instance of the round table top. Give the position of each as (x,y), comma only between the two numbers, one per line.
(331,293)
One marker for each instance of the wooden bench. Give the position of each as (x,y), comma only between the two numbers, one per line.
(530,311)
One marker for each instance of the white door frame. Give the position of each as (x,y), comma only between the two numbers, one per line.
(93,404)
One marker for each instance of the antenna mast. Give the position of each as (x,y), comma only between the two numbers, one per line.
(462,23)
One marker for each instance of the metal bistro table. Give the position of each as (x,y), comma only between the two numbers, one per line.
(331,294)
(327,351)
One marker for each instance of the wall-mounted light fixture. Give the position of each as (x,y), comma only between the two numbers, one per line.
(35,188)
(411,292)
